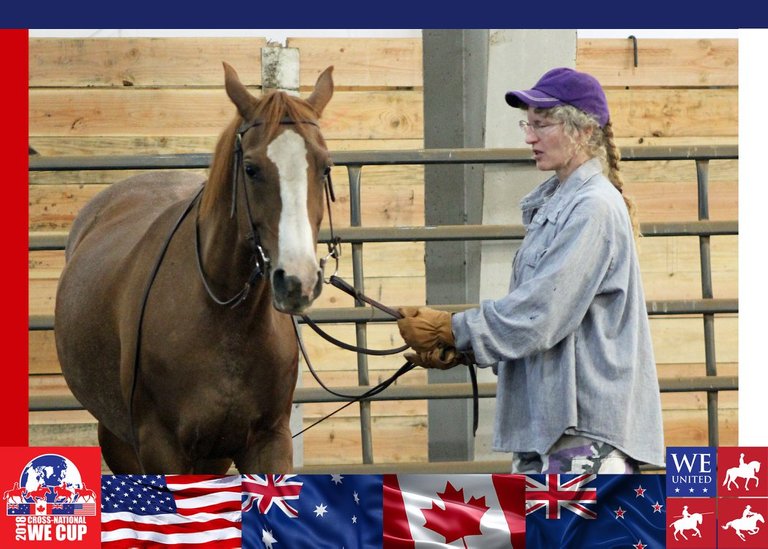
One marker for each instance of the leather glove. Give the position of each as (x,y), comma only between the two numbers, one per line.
(441,359)
(425,329)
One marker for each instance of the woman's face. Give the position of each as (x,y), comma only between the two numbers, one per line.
(553,149)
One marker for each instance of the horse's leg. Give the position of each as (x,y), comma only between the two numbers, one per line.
(269,452)
(119,456)
(160,451)
(738,533)
(698,533)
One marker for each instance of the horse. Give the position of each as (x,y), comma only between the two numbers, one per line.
(748,524)
(746,471)
(41,492)
(18,492)
(63,494)
(687,523)
(173,320)
(85,494)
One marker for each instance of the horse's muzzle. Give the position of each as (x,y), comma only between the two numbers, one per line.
(292,295)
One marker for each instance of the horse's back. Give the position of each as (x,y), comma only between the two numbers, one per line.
(131,205)
(107,256)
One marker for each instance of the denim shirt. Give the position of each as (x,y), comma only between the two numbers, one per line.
(571,342)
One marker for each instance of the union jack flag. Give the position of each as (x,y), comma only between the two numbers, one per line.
(555,493)
(270,490)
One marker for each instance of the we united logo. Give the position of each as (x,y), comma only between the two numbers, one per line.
(691,471)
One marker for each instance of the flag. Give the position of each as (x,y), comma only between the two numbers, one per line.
(595,511)
(178,510)
(312,511)
(471,511)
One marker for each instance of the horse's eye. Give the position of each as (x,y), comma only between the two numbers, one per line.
(251,170)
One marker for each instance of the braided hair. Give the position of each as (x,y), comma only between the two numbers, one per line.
(601,144)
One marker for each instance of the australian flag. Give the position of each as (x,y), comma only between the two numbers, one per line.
(595,511)
(310,511)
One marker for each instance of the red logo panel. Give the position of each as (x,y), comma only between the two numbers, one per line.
(51,497)
(741,523)
(692,522)
(742,471)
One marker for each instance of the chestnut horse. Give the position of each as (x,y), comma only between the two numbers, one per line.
(175,330)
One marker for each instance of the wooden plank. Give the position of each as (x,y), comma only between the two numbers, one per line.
(173,144)
(142,62)
(661,62)
(674,112)
(681,339)
(361,62)
(54,207)
(395,115)
(689,428)
(184,112)
(671,267)
(398,440)
(394,290)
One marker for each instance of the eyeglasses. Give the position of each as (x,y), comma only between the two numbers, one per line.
(537,128)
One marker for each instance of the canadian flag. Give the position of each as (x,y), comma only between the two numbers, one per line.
(471,511)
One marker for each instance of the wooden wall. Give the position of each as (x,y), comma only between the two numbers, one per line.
(146,96)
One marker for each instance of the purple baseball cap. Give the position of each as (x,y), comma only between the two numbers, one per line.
(564,86)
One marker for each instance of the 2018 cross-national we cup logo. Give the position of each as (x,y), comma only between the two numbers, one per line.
(51,497)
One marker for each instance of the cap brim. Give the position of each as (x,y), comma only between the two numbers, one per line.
(531,98)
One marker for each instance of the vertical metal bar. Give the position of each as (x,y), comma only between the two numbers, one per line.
(361,334)
(702,180)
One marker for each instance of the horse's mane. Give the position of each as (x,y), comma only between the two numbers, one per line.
(271,109)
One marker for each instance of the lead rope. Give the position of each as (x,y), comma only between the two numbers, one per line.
(334,251)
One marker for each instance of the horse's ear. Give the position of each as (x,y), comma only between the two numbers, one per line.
(323,91)
(237,92)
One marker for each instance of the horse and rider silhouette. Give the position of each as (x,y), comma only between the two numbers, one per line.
(744,470)
(18,492)
(747,522)
(689,521)
(64,493)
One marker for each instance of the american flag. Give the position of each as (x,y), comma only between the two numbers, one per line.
(178,510)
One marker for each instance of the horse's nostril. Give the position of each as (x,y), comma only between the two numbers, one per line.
(285,284)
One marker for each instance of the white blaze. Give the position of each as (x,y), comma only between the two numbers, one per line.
(295,242)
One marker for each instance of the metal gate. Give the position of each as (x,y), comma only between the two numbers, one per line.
(357,236)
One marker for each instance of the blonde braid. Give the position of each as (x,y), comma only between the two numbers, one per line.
(613,156)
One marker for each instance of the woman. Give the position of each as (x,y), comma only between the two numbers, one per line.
(577,387)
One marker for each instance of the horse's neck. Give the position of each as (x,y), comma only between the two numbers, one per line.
(226,254)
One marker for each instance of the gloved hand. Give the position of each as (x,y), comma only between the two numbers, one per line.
(425,329)
(440,358)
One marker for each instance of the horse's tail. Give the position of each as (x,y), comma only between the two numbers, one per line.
(727,525)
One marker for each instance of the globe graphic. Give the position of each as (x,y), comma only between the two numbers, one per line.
(50,470)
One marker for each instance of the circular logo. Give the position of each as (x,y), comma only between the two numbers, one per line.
(50,477)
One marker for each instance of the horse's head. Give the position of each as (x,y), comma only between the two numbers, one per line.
(758,518)
(281,165)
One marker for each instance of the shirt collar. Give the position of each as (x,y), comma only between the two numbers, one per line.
(556,195)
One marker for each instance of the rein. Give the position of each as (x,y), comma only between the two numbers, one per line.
(375,390)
